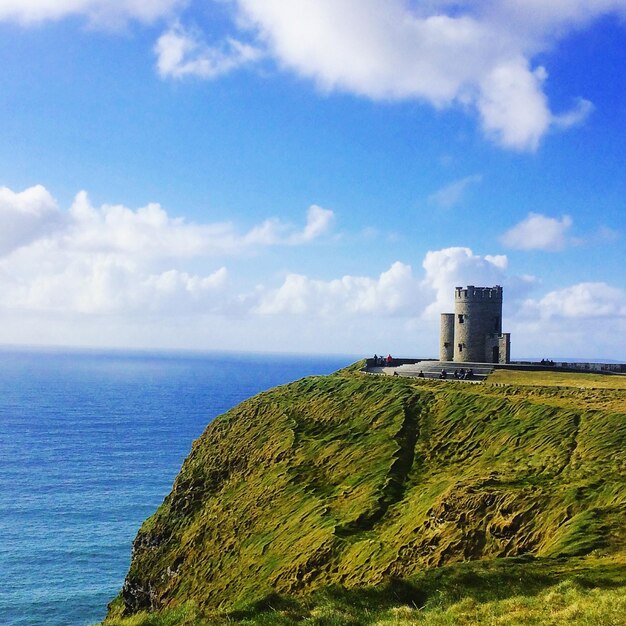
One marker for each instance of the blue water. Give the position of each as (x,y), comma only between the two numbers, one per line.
(90,444)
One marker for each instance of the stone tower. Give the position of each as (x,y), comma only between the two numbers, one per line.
(446,347)
(473,333)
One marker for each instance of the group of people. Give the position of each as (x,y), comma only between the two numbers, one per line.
(547,362)
(459,374)
(381,360)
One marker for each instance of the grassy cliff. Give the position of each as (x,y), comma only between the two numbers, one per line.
(394,492)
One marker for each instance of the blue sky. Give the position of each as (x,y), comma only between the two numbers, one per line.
(312,175)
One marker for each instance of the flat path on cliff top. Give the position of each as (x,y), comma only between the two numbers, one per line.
(432,369)
(485,373)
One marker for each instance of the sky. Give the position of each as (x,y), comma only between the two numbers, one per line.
(311,176)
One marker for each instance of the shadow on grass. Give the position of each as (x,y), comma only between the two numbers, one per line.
(482,581)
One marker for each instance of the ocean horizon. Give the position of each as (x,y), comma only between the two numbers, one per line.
(90,443)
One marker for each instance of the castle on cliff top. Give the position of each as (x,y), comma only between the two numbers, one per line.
(473,333)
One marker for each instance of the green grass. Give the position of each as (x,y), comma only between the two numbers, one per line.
(352,483)
(581,591)
(582,380)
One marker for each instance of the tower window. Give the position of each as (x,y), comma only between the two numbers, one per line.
(461,318)
(460,347)
(496,323)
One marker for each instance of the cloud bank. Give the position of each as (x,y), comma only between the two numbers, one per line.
(384,50)
(394,50)
(581,301)
(101,260)
(113,271)
(394,292)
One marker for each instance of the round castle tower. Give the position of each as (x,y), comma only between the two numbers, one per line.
(446,338)
(477,316)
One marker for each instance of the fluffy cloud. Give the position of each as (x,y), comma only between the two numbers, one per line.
(512,106)
(575,116)
(111,258)
(149,231)
(451,194)
(385,51)
(457,266)
(26,216)
(394,50)
(394,292)
(274,232)
(107,12)
(381,49)
(584,300)
(182,53)
(538,232)
(101,284)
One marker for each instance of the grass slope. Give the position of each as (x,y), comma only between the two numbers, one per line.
(351,482)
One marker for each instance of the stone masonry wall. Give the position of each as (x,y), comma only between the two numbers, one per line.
(478,314)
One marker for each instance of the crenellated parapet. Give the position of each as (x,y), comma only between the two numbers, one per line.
(478,294)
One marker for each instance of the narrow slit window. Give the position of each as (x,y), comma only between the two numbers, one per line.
(461,318)
(460,347)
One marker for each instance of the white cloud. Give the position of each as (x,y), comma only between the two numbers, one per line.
(458,266)
(98,12)
(53,275)
(513,108)
(395,50)
(25,216)
(451,194)
(394,292)
(318,223)
(101,284)
(151,232)
(274,232)
(116,266)
(111,258)
(584,300)
(476,55)
(110,275)
(576,116)
(385,50)
(538,232)
(182,53)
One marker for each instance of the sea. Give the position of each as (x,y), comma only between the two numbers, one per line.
(90,444)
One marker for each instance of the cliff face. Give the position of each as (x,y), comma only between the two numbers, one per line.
(353,479)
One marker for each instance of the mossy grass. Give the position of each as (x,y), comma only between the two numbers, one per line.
(359,499)
(504,591)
